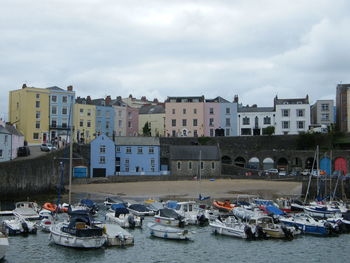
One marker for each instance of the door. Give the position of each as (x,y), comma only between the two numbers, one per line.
(99,172)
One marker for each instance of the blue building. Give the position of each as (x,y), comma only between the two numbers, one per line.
(229,118)
(104,117)
(137,156)
(102,157)
(61,102)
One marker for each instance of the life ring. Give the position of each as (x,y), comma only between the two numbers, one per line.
(49,206)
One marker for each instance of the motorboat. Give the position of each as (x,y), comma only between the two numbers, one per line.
(79,232)
(190,211)
(19,225)
(225,206)
(246,214)
(47,220)
(122,217)
(308,225)
(153,205)
(140,210)
(169,217)
(116,235)
(4,244)
(232,227)
(167,232)
(113,200)
(321,211)
(91,205)
(28,210)
(296,206)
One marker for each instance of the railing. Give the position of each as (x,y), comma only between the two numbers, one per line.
(59,127)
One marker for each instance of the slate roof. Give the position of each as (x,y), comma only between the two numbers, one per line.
(137,141)
(192,152)
(55,88)
(13,130)
(152,109)
(278,101)
(218,99)
(3,130)
(255,109)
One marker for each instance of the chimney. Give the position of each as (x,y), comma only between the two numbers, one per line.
(24,86)
(108,100)
(119,98)
(155,100)
(235,98)
(130,96)
(88,100)
(143,98)
(70,88)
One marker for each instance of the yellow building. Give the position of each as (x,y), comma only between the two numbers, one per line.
(29,110)
(84,121)
(155,116)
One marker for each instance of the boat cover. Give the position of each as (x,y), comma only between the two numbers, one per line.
(117,206)
(263,202)
(89,203)
(169,213)
(121,211)
(77,212)
(139,208)
(274,210)
(172,205)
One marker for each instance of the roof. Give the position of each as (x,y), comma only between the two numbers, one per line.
(193,152)
(278,101)
(152,109)
(55,88)
(13,130)
(217,99)
(255,109)
(99,102)
(186,99)
(4,130)
(135,141)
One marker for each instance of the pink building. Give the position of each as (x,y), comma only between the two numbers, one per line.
(132,121)
(184,116)
(212,119)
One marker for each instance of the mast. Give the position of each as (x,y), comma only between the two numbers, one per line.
(70,154)
(330,177)
(308,185)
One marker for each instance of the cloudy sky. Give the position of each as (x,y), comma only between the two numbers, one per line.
(255,49)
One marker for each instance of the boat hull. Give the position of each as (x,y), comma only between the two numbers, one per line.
(169,232)
(123,221)
(221,229)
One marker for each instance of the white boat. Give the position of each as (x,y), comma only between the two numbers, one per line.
(28,210)
(47,220)
(122,217)
(115,200)
(169,217)
(190,211)
(117,236)
(153,205)
(321,211)
(167,232)
(78,232)
(4,244)
(231,227)
(140,210)
(19,225)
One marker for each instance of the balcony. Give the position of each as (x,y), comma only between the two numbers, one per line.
(59,127)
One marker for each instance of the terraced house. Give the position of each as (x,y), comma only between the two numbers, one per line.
(84,120)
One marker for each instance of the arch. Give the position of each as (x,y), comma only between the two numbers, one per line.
(325,165)
(253,163)
(282,164)
(297,162)
(340,165)
(268,163)
(308,163)
(226,159)
(240,161)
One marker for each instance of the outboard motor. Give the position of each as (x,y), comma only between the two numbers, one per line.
(25,227)
(259,232)
(181,223)
(131,221)
(202,220)
(249,233)
(287,233)
(329,228)
(141,220)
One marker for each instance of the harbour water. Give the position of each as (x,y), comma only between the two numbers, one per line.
(206,247)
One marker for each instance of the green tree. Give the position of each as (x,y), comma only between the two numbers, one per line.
(269,130)
(146,130)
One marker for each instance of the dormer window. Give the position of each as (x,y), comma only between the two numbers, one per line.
(285,102)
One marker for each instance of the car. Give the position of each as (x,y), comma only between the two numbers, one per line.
(282,173)
(305,172)
(47,147)
(23,151)
(272,171)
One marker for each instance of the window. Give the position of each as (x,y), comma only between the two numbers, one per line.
(300,124)
(98,113)
(81,123)
(195,133)
(267,120)
(173,132)
(202,165)
(119,113)
(36,136)
(324,107)
(211,132)
(120,123)
(151,150)
(173,111)
(64,111)
(54,110)
(300,113)
(99,125)
(194,111)
(212,165)
(211,122)
(285,113)
(129,124)
(37,115)
(139,150)
(126,165)
(153,164)
(102,148)
(88,112)
(117,149)
(227,132)
(88,123)
(37,96)
(81,112)
(64,99)
(53,123)
(128,149)
(108,114)
(195,122)
(246,131)
(285,124)
(228,122)
(183,111)
(228,110)
(107,125)
(190,165)
(324,116)
(54,98)
(184,122)
(173,122)
(37,104)
(211,110)
(179,165)
(37,124)
(129,115)
(102,159)
(64,123)
(0,153)
(246,121)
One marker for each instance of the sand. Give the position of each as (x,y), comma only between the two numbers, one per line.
(217,189)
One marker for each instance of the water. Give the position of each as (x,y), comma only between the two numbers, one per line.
(206,247)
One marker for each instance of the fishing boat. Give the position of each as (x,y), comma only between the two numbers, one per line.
(122,217)
(232,227)
(225,206)
(140,210)
(19,225)
(4,245)
(79,232)
(167,232)
(169,217)
(190,211)
(28,210)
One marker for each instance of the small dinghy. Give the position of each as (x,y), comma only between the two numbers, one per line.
(169,217)
(225,206)
(167,232)
(122,217)
(232,227)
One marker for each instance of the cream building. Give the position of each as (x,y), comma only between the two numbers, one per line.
(84,121)
(155,116)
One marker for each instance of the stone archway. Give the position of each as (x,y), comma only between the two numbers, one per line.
(226,159)
(253,163)
(282,164)
(268,163)
(310,163)
(240,161)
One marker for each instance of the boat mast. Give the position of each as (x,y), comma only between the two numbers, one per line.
(308,185)
(330,177)
(71,154)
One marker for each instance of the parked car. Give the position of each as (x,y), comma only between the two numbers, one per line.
(46,147)
(272,171)
(305,172)
(282,173)
(23,151)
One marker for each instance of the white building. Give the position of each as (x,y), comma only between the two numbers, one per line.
(322,112)
(253,120)
(292,115)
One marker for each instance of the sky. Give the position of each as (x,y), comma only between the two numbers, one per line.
(256,49)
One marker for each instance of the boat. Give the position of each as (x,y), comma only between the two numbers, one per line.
(4,244)
(169,217)
(79,232)
(321,211)
(190,211)
(225,206)
(308,225)
(19,225)
(154,206)
(166,232)
(90,205)
(296,206)
(343,222)
(232,227)
(28,210)
(46,221)
(115,200)
(122,217)
(140,210)
(50,206)
(116,235)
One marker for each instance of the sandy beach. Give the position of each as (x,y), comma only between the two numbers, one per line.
(217,189)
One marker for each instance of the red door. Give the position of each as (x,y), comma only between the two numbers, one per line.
(340,165)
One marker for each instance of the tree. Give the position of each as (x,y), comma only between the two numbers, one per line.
(269,130)
(146,131)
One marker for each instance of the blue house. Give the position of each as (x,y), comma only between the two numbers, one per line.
(102,157)
(137,156)
(104,116)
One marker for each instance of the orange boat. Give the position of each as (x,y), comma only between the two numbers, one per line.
(224,206)
(50,206)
